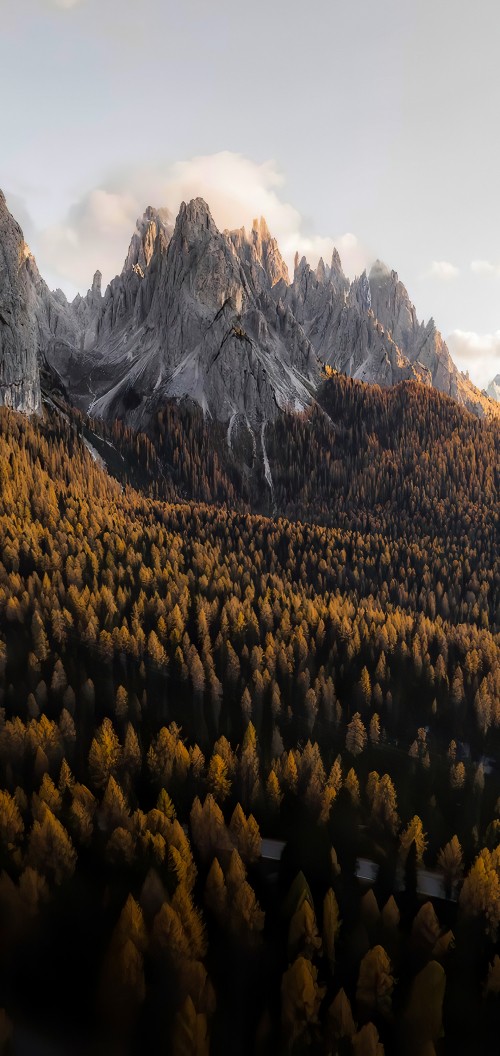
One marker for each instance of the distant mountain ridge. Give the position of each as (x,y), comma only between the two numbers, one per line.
(213,317)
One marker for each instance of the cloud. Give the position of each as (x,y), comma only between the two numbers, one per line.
(96,231)
(65,5)
(478,353)
(442,269)
(17,206)
(485,267)
(94,234)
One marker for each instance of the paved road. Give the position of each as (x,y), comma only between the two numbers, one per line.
(429,883)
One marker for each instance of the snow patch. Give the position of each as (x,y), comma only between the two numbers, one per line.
(230,429)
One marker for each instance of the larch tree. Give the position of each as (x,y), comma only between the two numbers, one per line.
(50,849)
(331,926)
(375,982)
(215,890)
(303,935)
(11,822)
(301,997)
(414,833)
(340,1025)
(217,778)
(356,737)
(450,862)
(351,785)
(190,1036)
(104,755)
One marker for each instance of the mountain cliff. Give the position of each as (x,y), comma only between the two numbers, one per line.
(195,322)
(420,342)
(32,319)
(493,390)
(212,317)
(338,320)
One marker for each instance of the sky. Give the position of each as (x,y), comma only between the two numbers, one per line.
(368,124)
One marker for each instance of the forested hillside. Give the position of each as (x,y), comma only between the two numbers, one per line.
(180,679)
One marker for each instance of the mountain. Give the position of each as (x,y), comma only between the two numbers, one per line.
(32,319)
(339,322)
(493,390)
(198,324)
(211,317)
(421,343)
(35,325)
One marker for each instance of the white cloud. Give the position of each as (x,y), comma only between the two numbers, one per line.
(442,269)
(96,231)
(485,267)
(478,353)
(64,4)
(93,235)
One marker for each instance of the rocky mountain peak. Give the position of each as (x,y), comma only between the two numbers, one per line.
(33,321)
(360,293)
(321,272)
(302,267)
(391,305)
(260,254)
(336,264)
(337,277)
(96,287)
(194,215)
(210,316)
(379,272)
(259,225)
(154,225)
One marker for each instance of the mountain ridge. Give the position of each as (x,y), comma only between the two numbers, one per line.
(213,317)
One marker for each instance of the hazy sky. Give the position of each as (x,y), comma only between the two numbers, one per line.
(373,123)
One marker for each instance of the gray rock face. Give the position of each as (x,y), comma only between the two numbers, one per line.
(338,320)
(212,333)
(260,255)
(35,324)
(392,307)
(421,343)
(493,390)
(106,325)
(19,373)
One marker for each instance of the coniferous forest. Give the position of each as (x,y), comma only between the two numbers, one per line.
(249,789)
